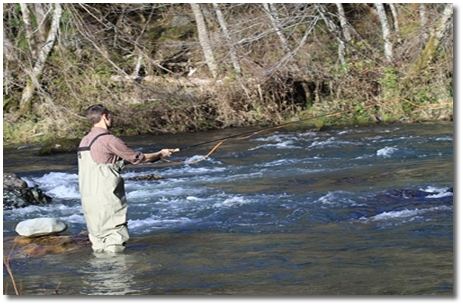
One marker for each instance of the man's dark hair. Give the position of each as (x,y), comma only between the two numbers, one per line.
(94,113)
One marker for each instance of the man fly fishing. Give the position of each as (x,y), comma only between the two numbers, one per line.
(101,157)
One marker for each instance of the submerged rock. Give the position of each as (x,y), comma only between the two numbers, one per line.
(146,177)
(421,193)
(16,193)
(43,245)
(40,227)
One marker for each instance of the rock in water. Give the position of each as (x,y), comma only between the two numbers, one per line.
(40,227)
(16,194)
(11,180)
(146,177)
(22,247)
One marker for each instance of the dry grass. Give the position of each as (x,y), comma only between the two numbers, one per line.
(6,263)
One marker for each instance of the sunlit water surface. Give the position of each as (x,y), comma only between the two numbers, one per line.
(360,211)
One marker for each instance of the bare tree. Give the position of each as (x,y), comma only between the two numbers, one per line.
(395,17)
(41,16)
(270,10)
(388,54)
(272,14)
(428,54)
(343,21)
(204,39)
(226,34)
(138,63)
(138,50)
(334,30)
(33,83)
(282,47)
(28,27)
(423,23)
(444,23)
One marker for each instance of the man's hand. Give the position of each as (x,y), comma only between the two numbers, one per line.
(163,153)
(167,152)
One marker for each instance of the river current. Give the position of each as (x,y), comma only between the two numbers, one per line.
(366,210)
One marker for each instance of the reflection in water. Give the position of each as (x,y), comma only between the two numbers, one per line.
(108,274)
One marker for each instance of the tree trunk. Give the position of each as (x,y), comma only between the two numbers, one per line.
(28,92)
(429,52)
(307,94)
(343,21)
(204,39)
(28,28)
(423,23)
(444,22)
(334,30)
(40,15)
(226,34)
(388,54)
(395,17)
(138,64)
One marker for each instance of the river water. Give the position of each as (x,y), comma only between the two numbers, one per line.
(351,211)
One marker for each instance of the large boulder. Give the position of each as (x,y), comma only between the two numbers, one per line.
(16,193)
(40,227)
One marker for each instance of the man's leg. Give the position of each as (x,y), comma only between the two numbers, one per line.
(97,243)
(116,239)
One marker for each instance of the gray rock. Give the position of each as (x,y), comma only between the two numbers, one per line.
(40,227)
(11,180)
(16,193)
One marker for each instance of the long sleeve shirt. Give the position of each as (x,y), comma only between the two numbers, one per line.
(109,148)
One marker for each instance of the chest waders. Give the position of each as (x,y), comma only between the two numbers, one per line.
(103,201)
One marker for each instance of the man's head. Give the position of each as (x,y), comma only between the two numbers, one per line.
(99,115)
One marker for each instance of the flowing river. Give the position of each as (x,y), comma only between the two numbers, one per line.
(351,211)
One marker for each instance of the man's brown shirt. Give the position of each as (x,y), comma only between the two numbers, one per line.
(109,148)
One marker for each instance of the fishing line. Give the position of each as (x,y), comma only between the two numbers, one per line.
(239,136)
(248,134)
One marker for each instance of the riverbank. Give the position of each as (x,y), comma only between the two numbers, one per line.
(171,107)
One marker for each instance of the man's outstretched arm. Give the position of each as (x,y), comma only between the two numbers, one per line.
(119,148)
(163,153)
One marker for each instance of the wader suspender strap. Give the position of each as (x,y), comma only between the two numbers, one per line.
(84,148)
